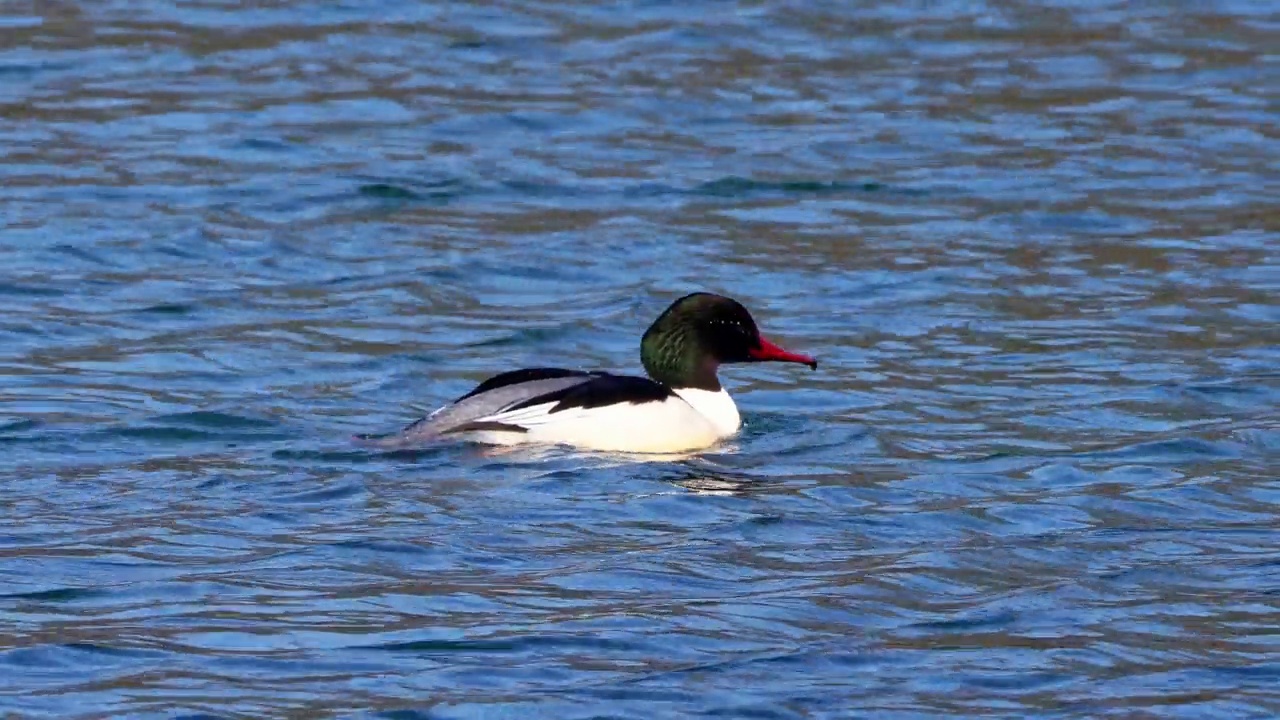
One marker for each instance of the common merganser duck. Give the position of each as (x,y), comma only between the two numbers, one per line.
(680,407)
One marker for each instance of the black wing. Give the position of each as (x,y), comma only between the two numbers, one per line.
(485,408)
(513,377)
(601,390)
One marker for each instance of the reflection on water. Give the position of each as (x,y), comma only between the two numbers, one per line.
(1034,245)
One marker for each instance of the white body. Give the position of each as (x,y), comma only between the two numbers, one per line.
(690,420)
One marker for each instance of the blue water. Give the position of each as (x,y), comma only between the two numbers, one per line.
(1034,246)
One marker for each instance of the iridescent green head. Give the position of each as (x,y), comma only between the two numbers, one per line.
(689,341)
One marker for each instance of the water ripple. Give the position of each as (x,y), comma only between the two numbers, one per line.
(1034,247)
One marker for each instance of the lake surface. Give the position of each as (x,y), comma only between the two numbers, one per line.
(1035,246)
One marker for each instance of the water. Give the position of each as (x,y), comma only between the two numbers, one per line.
(1034,247)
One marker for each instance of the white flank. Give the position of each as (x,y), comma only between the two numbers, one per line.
(693,420)
(716,406)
